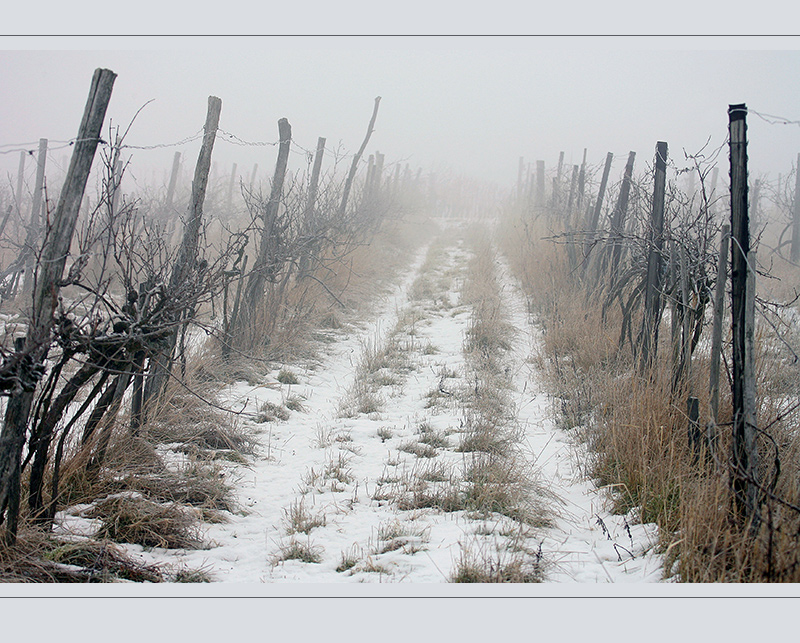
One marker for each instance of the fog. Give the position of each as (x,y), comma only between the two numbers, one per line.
(468,106)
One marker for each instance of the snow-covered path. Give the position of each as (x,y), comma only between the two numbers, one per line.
(340,489)
(587,544)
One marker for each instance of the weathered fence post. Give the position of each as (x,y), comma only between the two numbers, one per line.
(348,184)
(309,219)
(745,460)
(173,179)
(648,345)
(45,296)
(313,184)
(6,217)
(674,288)
(557,182)
(582,179)
(539,184)
(618,217)
(754,206)
(171,220)
(598,206)
(572,185)
(794,254)
(161,364)
(253,176)
(20,179)
(231,184)
(377,177)
(686,331)
(716,336)
(34,230)
(254,288)
(368,177)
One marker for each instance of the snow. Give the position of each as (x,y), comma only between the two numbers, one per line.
(339,467)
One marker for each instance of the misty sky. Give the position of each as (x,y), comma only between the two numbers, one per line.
(449,104)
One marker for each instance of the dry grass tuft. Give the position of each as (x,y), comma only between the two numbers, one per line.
(136,520)
(39,558)
(300,550)
(196,484)
(271,412)
(484,562)
(298,519)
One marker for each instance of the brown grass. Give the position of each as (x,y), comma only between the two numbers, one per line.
(488,562)
(637,429)
(40,558)
(136,520)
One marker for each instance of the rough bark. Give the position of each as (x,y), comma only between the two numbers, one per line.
(185,262)
(51,269)
(745,462)
(648,345)
(348,184)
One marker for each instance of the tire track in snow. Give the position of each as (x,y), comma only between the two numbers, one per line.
(587,544)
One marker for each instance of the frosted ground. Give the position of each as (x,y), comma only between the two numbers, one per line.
(327,471)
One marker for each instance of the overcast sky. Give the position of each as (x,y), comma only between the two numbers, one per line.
(465,105)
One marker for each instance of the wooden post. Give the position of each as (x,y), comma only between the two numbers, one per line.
(348,184)
(686,334)
(572,185)
(115,180)
(745,460)
(620,210)
(675,318)
(172,220)
(231,184)
(313,184)
(45,300)
(539,184)
(173,179)
(368,178)
(377,177)
(6,216)
(185,260)
(598,206)
(794,253)
(716,328)
(20,178)
(648,347)
(754,207)
(582,179)
(529,189)
(253,176)
(254,289)
(160,364)
(36,209)
(35,228)
(396,180)
(309,220)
